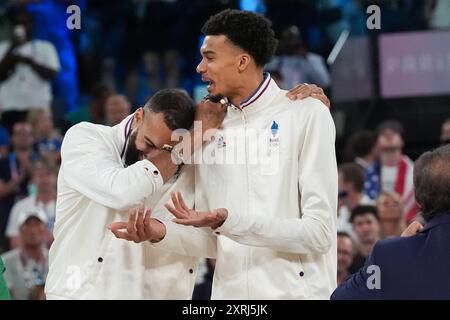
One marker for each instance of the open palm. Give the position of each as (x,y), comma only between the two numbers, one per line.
(190,217)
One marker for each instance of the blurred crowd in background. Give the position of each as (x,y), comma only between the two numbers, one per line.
(52,77)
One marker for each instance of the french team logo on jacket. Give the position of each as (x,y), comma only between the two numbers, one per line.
(274,140)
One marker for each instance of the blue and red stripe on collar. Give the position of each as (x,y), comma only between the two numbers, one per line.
(258,92)
(127,132)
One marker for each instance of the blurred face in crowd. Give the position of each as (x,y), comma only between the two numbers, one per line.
(149,134)
(345,189)
(345,253)
(390,145)
(44,124)
(22,27)
(221,65)
(97,104)
(366,228)
(22,136)
(343,192)
(45,179)
(389,207)
(117,108)
(33,232)
(445,133)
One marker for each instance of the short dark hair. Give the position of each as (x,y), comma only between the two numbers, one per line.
(352,172)
(362,210)
(177,106)
(347,235)
(362,142)
(43,163)
(15,11)
(101,90)
(248,30)
(391,124)
(432,181)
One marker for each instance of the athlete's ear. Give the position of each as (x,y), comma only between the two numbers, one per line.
(138,115)
(244,61)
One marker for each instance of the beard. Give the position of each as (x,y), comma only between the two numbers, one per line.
(214,98)
(132,154)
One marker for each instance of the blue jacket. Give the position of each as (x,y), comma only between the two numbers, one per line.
(416,267)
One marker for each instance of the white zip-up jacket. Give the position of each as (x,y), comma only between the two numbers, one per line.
(94,190)
(279,240)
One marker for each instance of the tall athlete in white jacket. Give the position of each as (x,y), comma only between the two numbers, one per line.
(266,185)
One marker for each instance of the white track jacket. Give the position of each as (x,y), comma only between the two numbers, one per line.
(273,166)
(95,189)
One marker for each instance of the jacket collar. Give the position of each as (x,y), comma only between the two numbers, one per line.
(262,96)
(439,219)
(122,133)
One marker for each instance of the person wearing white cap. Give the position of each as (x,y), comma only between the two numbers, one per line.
(44,178)
(27,266)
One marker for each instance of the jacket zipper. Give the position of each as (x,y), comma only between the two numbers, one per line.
(248,256)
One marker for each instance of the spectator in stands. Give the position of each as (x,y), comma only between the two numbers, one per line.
(95,110)
(362,147)
(15,172)
(43,200)
(391,215)
(416,265)
(132,50)
(351,194)
(117,108)
(50,20)
(396,168)
(445,132)
(346,251)
(47,143)
(296,64)
(4,142)
(27,266)
(366,225)
(162,48)
(437,14)
(27,67)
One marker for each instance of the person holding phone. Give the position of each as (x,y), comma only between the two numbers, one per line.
(27,67)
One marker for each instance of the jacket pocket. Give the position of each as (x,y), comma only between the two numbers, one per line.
(297,281)
(99,259)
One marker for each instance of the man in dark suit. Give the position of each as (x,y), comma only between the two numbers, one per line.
(417,265)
